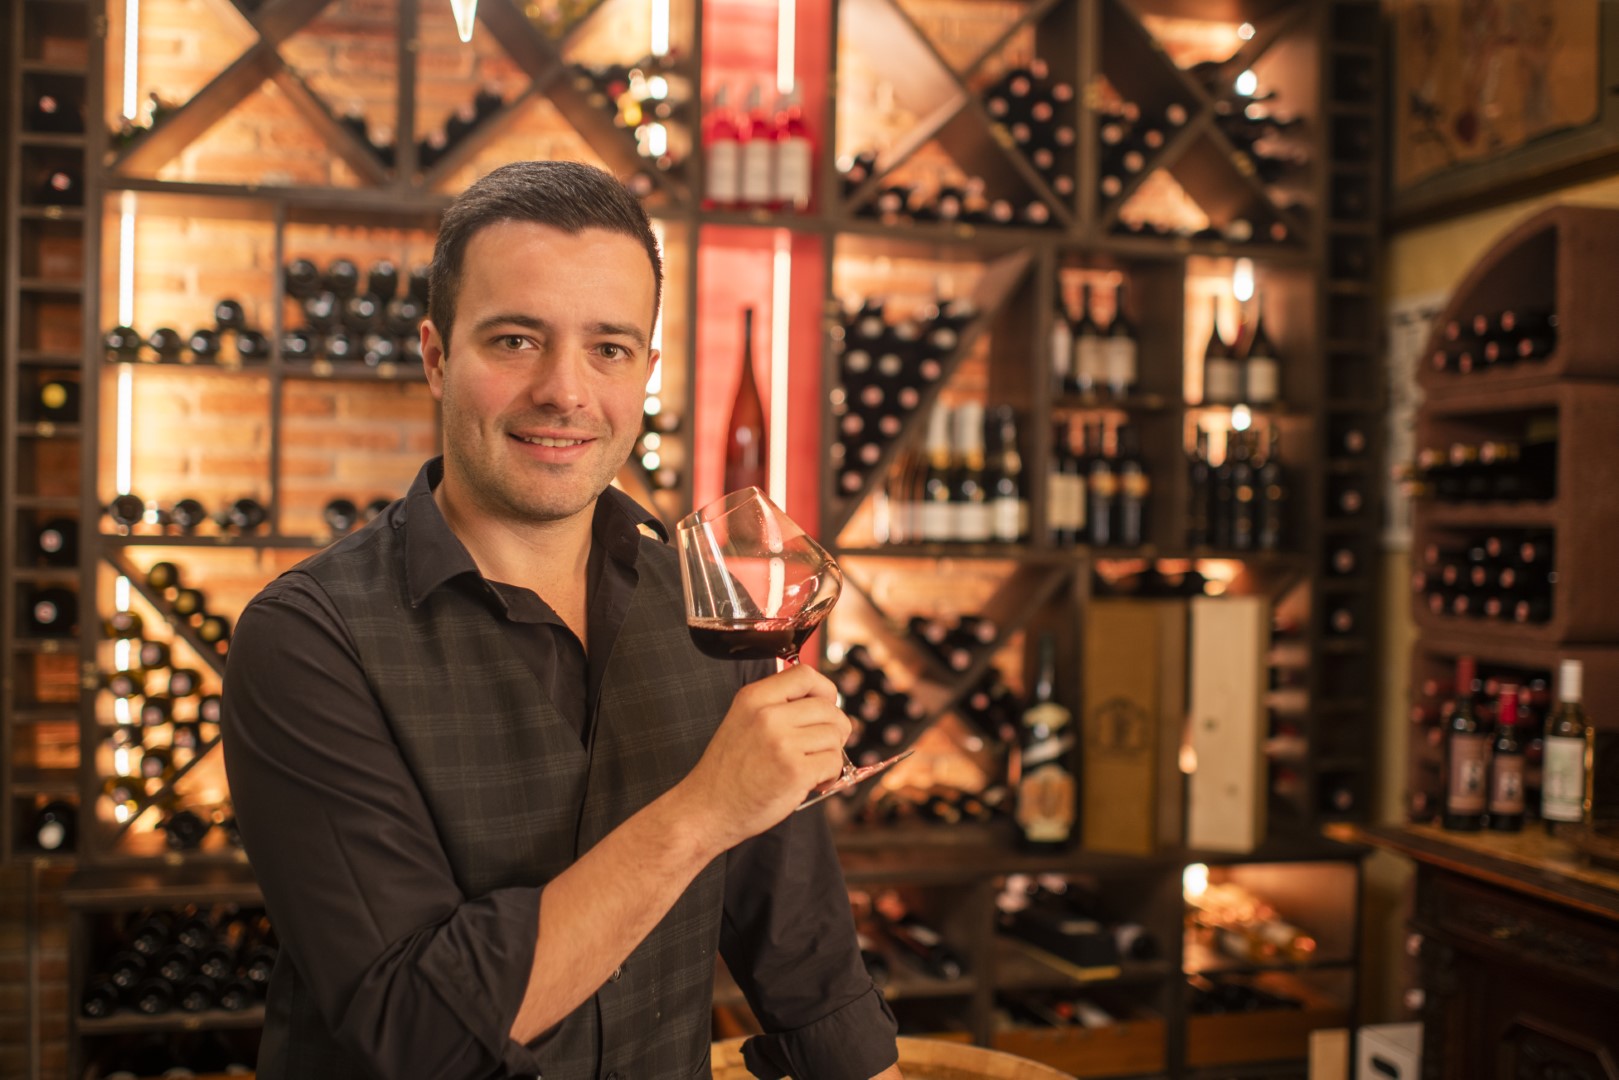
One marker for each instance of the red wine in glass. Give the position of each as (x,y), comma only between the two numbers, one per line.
(744,639)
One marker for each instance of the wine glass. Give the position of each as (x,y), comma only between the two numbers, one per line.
(756,587)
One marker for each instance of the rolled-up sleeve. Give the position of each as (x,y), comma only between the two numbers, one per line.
(788,939)
(410,976)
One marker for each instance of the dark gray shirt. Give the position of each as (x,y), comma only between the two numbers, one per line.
(305,737)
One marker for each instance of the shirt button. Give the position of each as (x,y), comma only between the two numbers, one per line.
(617,974)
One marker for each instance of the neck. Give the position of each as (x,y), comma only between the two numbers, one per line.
(534,555)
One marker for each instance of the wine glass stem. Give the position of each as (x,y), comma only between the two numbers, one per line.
(791,660)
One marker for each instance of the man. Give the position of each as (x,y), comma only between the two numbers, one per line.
(501,809)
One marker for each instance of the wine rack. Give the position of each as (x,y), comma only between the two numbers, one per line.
(371,175)
(1515,503)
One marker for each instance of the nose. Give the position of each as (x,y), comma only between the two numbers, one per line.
(559,381)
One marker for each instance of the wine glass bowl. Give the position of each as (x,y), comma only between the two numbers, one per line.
(756,586)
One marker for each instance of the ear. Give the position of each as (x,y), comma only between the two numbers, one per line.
(433,357)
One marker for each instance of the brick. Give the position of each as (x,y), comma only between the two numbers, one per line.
(308,405)
(305,466)
(335,439)
(236,399)
(405,404)
(384,475)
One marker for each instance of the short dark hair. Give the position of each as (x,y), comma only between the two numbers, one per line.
(566,195)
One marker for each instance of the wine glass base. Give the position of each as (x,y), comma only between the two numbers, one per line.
(851,778)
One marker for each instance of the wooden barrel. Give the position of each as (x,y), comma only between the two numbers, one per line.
(919,1059)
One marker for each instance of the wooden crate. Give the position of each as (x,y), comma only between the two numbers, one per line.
(1128,1048)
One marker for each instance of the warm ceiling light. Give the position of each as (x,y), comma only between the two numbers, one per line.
(466,13)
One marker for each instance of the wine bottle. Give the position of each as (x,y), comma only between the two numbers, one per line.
(968,496)
(342,277)
(123,626)
(1222,380)
(101,998)
(1119,348)
(1135,485)
(301,279)
(214,629)
(123,344)
(1061,492)
(185,830)
(167,344)
(1271,489)
(722,153)
(1244,512)
(53,612)
(1506,804)
(923,945)
(758,152)
(1200,491)
(184,682)
(1565,789)
(1102,490)
(794,155)
(1261,367)
(938,517)
(1467,753)
(1062,353)
(60,187)
(55,113)
(340,515)
(322,310)
(57,542)
(57,401)
(1047,802)
(55,826)
(244,515)
(745,441)
(189,603)
(1009,509)
(187,514)
(154,996)
(1090,358)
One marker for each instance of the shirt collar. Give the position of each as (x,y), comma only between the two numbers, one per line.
(435,555)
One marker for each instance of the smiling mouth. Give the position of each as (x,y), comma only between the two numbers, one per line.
(546,440)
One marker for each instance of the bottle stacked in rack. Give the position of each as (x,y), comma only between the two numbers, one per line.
(1495,341)
(917,943)
(1486,761)
(1287,746)
(952,199)
(1245,371)
(1130,140)
(432,147)
(1490,471)
(1260,132)
(966,487)
(184,516)
(936,805)
(1036,111)
(1066,920)
(759,156)
(1091,362)
(884,371)
(884,716)
(1507,575)
(954,642)
(1098,491)
(1241,504)
(343,323)
(194,960)
(230,342)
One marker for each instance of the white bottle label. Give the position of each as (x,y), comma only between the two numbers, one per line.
(758,179)
(1007,519)
(1563,789)
(793,171)
(1062,351)
(973,522)
(1263,384)
(1119,359)
(1090,367)
(938,522)
(1220,382)
(722,171)
(1080,514)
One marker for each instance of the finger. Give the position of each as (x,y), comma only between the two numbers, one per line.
(798,681)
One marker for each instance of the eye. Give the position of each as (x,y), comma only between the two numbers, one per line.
(614,352)
(513,341)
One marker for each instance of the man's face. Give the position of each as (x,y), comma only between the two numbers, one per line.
(544,379)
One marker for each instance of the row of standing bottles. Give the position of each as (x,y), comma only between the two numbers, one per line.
(1098,491)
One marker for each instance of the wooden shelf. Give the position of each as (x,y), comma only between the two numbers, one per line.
(133,888)
(216,540)
(129,1022)
(1489,515)
(1021,966)
(1199,959)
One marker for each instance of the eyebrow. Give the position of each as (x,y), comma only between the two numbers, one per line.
(530,322)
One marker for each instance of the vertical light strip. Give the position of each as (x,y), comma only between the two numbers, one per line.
(132,60)
(660,27)
(786,44)
(126,316)
(654,384)
(781,291)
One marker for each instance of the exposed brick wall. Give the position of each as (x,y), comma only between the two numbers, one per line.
(48,1018)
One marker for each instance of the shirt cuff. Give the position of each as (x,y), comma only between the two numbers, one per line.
(855,1042)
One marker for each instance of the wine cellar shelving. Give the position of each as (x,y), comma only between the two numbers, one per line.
(358,164)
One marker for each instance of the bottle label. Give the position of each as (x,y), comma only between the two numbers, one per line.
(722,171)
(938,521)
(1119,359)
(1220,383)
(1104,485)
(1047,804)
(1007,520)
(973,522)
(1135,485)
(1469,764)
(1563,790)
(758,181)
(1263,384)
(793,171)
(1090,367)
(1057,499)
(1506,787)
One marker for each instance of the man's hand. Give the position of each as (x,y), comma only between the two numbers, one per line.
(782,736)
(890,1073)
